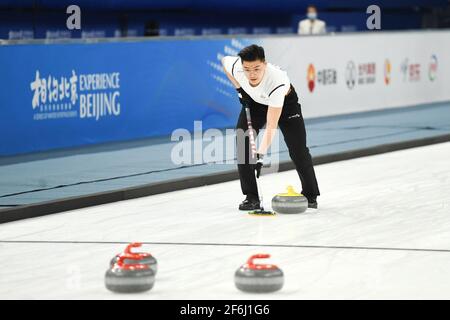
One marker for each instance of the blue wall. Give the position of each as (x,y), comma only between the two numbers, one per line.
(157,92)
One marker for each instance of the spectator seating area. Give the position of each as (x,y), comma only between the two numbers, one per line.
(46,19)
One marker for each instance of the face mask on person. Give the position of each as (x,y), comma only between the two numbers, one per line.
(312,15)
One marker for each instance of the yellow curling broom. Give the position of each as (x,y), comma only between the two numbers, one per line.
(261,211)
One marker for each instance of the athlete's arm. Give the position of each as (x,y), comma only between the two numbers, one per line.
(273,115)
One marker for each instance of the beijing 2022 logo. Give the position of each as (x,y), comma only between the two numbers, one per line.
(350,75)
(432,68)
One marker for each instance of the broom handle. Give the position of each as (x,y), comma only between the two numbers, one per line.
(253,151)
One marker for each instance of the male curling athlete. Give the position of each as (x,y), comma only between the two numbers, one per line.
(268,92)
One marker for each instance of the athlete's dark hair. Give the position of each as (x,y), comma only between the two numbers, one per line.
(252,53)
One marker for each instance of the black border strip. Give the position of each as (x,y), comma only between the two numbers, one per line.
(78,202)
(205,244)
(232,69)
(281,85)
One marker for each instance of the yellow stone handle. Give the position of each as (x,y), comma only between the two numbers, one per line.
(290,193)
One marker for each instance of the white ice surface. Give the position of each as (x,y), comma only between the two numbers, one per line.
(344,250)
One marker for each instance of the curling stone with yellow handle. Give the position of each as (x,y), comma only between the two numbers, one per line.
(290,202)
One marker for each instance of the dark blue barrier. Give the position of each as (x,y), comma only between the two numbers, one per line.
(68,95)
(230,4)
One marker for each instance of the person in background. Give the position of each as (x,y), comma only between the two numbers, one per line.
(311,25)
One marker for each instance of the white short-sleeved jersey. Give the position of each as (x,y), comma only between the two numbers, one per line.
(271,90)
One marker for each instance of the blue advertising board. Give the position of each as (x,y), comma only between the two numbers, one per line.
(68,95)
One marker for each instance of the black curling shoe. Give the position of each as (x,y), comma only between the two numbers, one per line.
(312,203)
(249,203)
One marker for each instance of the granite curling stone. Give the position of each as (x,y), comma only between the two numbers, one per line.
(259,278)
(290,202)
(129,278)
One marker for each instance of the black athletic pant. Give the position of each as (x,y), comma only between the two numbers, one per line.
(292,127)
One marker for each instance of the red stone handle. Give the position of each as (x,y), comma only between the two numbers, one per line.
(120,264)
(136,255)
(253,266)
